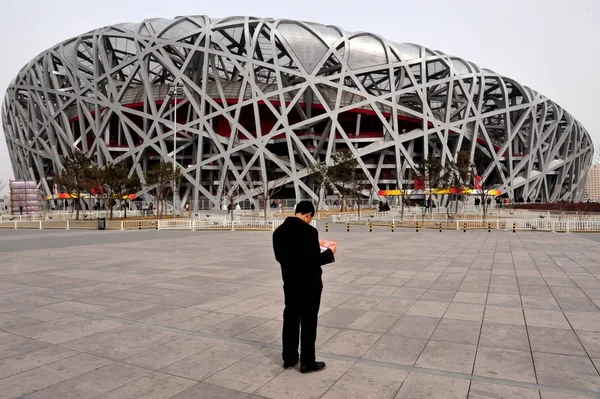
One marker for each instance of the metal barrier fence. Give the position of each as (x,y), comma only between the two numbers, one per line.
(553,225)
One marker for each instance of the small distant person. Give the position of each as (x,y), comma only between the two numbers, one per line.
(297,249)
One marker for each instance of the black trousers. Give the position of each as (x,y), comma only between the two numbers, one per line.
(301,310)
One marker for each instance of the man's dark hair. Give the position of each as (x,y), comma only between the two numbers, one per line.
(305,207)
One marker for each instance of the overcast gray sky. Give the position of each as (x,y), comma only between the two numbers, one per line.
(551,46)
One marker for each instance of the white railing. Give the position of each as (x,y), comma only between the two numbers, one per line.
(216,223)
(175,224)
(243,224)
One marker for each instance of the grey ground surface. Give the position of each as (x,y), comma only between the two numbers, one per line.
(163,314)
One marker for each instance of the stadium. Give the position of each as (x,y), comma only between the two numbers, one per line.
(241,101)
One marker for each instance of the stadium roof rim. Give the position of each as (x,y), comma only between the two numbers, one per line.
(165,24)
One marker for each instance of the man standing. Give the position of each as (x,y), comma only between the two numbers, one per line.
(297,249)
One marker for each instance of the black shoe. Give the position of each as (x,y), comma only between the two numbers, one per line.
(316,366)
(289,365)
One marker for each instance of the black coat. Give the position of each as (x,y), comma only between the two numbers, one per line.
(297,249)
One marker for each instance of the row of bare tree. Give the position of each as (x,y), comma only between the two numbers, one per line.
(457,176)
(113,183)
(344,177)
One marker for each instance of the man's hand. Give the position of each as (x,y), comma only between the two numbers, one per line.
(333,247)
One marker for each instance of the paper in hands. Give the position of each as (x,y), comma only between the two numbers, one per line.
(326,244)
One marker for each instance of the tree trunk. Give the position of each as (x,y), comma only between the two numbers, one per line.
(266,212)
(318,203)
(75,205)
(484,204)
(402,206)
(266,188)
(456,204)
(158,207)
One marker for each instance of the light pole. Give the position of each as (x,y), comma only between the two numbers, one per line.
(175,91)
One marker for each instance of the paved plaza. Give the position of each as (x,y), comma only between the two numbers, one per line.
(166,314)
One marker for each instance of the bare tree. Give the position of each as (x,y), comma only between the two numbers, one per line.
(483,186)
(342,175)
(76,177)
(432,173)
(268,187)
(160,180)
(405,194)
(458,175)
(231,192)
(319,180)
(115,184)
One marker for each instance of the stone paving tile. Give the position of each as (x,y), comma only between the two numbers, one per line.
(461,311)
(68,329)
(171,352)
(340,317)
(546,318)
(591,342)
(374,321)
(152,386)
(13,345)
(428,308)
(268,332)
(577,304)
(504,299)
(235,326)
(92,384)
(566,371)
(107,338)
(539,302)
(554,340)
(503,316)
(361,303)
(458,331)
(210,361)
(504,336)
(408,292)
(485,390)
(584,321)
(506,364)
(367,382)
(20,363)
(350,343)
(396,306)
(391,349)
(202,390)
(448,356)
(206,320)
(250,373)
(554,395)
(432,386)
(39,378)
(132,346)
(414,326)
(293,385)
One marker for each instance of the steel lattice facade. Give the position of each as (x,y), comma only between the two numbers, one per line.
(263,99)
